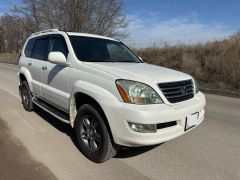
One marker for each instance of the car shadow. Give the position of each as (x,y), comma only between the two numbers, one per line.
(128,152)
(125,152)
(59,125)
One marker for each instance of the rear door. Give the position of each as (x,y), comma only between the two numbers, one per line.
(27,60)
(38,56)
(55,77)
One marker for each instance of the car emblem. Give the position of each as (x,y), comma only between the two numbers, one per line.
(183,90)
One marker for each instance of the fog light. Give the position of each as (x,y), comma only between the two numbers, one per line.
(143,128)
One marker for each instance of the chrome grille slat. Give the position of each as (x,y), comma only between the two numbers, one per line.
(169,88)
(177,91)
(177,96)
(172,92)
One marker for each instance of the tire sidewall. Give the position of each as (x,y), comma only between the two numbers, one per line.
(100,154)
(28,107)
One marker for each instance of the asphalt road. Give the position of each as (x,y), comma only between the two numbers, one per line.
(211,151)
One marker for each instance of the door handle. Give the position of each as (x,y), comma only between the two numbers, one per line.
(44,68)
(29,64)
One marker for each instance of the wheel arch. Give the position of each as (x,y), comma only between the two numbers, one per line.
(81,99)
(22,77)
(24,74)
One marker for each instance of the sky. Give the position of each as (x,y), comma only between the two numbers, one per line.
(181,21)
(174,21)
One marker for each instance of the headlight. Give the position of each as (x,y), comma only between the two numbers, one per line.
(195,86)
(137,93)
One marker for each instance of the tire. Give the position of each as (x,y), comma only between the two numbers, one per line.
(26,97)
(92,135)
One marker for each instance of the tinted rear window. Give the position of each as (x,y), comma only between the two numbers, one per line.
(41,49)
(29,47)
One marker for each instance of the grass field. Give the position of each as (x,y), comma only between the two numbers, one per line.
(9,58)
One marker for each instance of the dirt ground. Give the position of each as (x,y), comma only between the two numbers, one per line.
(15,161)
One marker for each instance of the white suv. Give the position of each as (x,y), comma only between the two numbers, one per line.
(105,92)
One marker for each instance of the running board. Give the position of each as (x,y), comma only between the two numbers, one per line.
(62,116)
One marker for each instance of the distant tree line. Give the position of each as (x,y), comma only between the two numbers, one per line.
(103,17)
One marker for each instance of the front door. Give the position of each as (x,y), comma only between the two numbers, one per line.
(55,80)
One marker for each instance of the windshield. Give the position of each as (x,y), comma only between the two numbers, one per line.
(92,49)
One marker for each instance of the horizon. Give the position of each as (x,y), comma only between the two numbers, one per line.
(172,22)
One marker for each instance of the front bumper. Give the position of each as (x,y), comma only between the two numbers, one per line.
(119,114)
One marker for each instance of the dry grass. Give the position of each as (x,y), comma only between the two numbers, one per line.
(215,65)
(9,58)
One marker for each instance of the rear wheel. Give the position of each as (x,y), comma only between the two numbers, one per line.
(26,96)
(92,135)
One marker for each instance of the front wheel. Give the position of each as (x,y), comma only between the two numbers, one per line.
(92,135)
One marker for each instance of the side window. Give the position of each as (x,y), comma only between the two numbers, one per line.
(58,44)
(29,47)
(41,49)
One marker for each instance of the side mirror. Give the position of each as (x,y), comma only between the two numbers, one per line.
(140,58)
(57,58)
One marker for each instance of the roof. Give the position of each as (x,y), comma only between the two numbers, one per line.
(47,31)
(90,35)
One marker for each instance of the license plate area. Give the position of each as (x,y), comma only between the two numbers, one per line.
(191,121)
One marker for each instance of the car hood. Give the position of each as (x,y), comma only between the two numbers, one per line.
(141,72)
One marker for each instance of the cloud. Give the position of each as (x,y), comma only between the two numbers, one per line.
(149,30)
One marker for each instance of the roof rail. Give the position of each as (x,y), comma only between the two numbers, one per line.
(45,31)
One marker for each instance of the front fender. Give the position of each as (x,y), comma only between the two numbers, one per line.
(99,94)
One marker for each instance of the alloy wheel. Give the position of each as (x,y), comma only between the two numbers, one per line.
(90,133)
(25,97)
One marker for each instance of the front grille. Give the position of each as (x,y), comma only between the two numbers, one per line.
(177,91)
